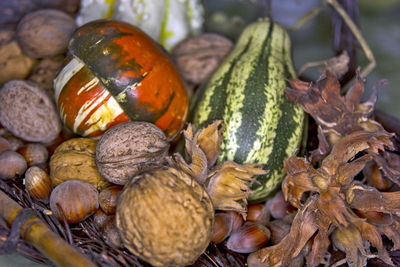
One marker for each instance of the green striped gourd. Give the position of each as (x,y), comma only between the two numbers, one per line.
(247,92)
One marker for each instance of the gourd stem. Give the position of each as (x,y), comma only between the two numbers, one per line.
(34,231)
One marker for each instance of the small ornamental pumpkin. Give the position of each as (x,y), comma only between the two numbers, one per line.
(117,73)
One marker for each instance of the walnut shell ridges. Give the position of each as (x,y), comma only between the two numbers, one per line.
(165,217)
(74,160)
(127,148)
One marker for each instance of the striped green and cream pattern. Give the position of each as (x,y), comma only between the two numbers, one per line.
(247,92)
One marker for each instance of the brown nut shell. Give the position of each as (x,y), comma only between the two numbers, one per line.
(34,153)
(13,63)
(198,57)
(76,200)
(44,72)
(45,33)
(108,198)
(165,217)
(28,112)
(12,165)
(37,183)
(127,148)
(74,160)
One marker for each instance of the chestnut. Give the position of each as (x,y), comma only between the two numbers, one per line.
(75,200)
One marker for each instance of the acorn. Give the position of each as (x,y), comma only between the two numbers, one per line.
(37,183)
(248,238)
(75,200)
(12,165)
(108,198)
(34,153)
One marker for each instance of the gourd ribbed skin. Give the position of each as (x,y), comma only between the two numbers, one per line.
(247,92)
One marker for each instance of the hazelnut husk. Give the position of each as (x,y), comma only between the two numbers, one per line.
(37,183)
(128,148)
(108,198)
(45,33)
(74,159)
(34,153)
(12,165)
(198,57)
(165,217)
(28,112)
(13,63)
(74,200)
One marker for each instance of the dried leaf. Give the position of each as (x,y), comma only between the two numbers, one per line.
(297,181)
(335,114)
(367,198)
(392,231)
(229,185)
(209,140)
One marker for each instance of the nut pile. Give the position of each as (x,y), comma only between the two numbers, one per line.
(126,182)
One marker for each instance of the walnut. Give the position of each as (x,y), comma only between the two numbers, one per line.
(127,148)
(74,160)
(198,56)
(28,112)
(45,33)
(13,63)
(165,217)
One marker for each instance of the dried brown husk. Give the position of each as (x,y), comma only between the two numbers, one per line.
(331,194)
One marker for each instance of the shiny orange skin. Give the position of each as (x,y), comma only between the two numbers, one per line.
(133,69)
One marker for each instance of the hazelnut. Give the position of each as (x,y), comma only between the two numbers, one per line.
(111,234)
(100,218)
(108,198)
(248,238)
(279,229)
(4,145)
(257,212)
(278,206)
(127,148)
(75,200)
(198,57)
(165,217)
(74,160)
(45,33)
(14,64)
(34,153)
(37,183)
(28,112)
(222,227)
(12,165)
